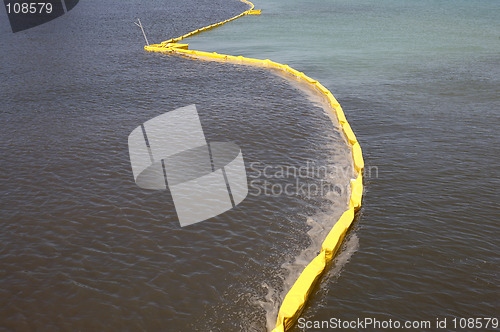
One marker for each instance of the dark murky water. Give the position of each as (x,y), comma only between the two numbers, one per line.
(84,248)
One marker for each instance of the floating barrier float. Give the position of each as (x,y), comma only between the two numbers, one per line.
(297,296)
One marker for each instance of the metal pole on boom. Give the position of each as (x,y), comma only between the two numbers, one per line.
(140,26)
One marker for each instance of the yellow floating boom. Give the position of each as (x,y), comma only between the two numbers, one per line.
(297,296)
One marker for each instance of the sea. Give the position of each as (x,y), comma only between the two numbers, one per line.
(83,248)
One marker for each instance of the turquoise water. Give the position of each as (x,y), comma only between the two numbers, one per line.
(361,42)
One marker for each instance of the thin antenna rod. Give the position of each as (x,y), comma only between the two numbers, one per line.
(140,26)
